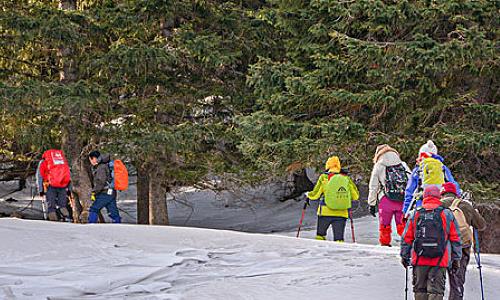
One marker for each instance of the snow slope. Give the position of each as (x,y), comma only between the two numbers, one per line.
(45,260)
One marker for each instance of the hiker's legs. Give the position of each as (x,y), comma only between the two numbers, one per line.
(338,228)
(385,213)
(101,200)
(397,211)
(436,283)
(322,227)
(457,279)
(113,212)
(51,201)
(420,276)
(62,201)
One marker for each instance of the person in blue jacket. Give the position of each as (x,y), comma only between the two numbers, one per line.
(423,175)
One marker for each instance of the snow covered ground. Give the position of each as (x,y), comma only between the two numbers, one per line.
(45,260)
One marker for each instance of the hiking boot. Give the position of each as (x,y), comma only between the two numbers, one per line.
(321,238)
(421,296)
(435,297)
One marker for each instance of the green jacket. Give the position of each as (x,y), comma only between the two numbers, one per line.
(319,190)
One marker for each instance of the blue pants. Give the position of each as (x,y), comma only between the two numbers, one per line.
(104,200)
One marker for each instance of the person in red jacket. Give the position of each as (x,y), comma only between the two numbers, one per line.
(53,181)
(431,241)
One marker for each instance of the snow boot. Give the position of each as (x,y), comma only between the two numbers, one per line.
(421,296)
(385,235)
(400,228)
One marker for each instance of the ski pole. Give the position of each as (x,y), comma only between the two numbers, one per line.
(302,217)
(352,227)
(73,206)
(44,209)
(477,255)
(406,283)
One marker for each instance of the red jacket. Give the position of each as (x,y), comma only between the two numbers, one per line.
(453,250)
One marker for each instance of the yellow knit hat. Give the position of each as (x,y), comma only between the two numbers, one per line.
(333,164)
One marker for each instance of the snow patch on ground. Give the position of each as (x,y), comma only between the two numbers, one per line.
(46,260)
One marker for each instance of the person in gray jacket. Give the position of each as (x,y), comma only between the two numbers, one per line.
(387,186)
(102,193)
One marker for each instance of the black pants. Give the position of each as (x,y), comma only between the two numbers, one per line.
(457,279)
(56,197)
(338,227)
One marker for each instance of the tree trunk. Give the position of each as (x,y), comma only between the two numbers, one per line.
(142,196)
(66,63)
(80,178)
(158,214)
(71,141)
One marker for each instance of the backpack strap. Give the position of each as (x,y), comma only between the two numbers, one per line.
(455,203)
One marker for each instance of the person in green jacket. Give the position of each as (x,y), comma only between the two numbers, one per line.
(339,191)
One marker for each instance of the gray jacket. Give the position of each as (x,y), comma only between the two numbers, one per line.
(101,175)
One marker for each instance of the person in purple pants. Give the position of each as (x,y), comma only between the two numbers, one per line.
(387,186)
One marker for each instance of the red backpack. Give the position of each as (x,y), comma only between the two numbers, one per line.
(58,168)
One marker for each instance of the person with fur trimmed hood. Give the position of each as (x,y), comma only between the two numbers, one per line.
(429,170)
(387,186)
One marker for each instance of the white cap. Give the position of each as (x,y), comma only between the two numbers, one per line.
(428,147)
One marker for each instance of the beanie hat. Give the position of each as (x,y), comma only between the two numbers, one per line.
(381,150)
(449,187)
(333,164)
(95,154)
(428,147)
(432,191)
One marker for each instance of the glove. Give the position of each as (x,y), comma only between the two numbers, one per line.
(373,210)
(42,194)
(455,265)
(307,202)
(68,192)
(405,262)
(92,197)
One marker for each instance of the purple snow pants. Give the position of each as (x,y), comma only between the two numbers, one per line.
(388,208)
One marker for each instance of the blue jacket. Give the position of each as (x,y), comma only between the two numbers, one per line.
(415,182)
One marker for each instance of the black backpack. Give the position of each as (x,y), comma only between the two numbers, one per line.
(430,239)
(395,182)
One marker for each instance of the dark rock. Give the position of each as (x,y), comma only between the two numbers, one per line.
(490,238)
